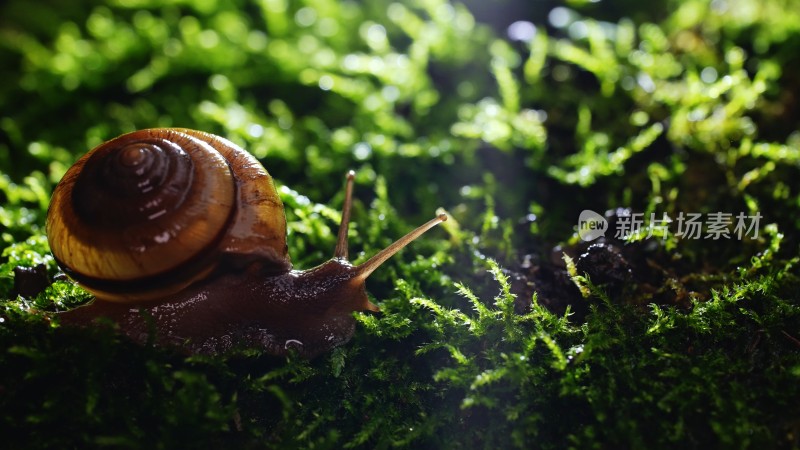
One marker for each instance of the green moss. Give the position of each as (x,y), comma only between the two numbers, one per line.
(483,340)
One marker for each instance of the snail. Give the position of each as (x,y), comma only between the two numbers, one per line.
(181,237)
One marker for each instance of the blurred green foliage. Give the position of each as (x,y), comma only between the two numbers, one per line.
(664,107)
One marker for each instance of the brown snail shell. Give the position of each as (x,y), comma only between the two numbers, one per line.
(146,214)
(181,237)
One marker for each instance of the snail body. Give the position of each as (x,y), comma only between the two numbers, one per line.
(181,237)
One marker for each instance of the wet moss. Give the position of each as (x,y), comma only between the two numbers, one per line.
(488,336)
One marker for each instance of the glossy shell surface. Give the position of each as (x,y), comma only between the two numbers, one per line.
(148,213)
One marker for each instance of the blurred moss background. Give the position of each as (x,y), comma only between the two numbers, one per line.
(513,116)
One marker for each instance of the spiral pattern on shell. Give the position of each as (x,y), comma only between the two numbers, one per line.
(151,211)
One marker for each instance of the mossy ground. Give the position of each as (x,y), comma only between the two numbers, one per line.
(660,107)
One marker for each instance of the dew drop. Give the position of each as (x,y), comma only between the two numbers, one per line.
(162,238)
(521,30)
